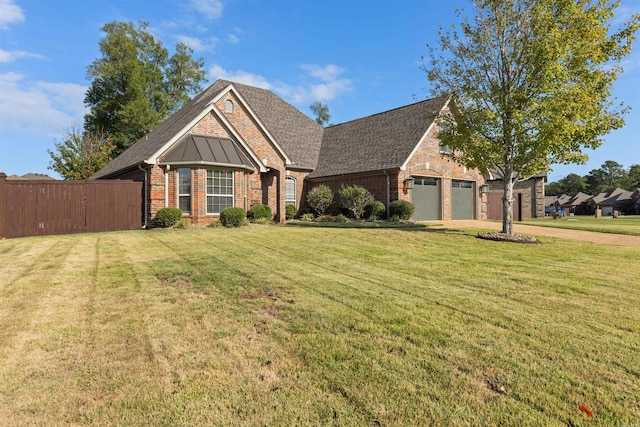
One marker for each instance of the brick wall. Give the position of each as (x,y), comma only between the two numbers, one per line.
(426,162)
(531,193)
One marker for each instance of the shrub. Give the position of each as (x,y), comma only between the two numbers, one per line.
(167,217)
(557,215)
(340,218)
(325,218)
(183,223)
(214,224)
(291,211)
(402,209)
(355,198)
(320,199)
(233,217)
(307,217)
(375,210)
(260,211)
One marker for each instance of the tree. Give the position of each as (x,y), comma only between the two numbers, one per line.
(136,84)
(633,178)
(610,175)
(80,155)
(321,112)
(572,184)
(552,189)
(531,84)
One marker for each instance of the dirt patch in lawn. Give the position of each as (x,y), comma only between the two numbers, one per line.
(585,236)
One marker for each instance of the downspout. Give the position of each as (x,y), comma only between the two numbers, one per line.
(244,174)
(388,191)
(145,193)
(166,186)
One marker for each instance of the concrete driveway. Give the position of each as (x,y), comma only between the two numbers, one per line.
(532,230)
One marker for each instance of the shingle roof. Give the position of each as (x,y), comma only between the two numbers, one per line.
(381,141)
(613,197)
(577,199)
(298,135)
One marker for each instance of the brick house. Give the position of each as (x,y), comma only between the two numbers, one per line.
(238,145)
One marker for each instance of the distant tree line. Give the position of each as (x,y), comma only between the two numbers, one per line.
(610,175)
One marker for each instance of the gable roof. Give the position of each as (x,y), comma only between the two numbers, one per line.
(577,199)
(298,135)
(610,197)
(378,142)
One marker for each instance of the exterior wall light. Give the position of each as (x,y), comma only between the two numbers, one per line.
(484,189)
(408,183)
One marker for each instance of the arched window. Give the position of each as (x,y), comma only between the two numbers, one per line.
(290,197)
(228,106)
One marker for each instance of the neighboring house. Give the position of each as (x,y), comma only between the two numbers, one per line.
(577,204)
(635,199)
(551,204)
(237,145)
(612,200)
(528,197)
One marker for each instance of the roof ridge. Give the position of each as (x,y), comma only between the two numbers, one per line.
(387,111)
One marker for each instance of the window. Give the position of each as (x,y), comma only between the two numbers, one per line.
(228,106)
(426,181)
(461,184)
(445,149)
(184,190)
(219,190)
(290,198)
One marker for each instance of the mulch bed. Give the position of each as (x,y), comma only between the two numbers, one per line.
(503,237)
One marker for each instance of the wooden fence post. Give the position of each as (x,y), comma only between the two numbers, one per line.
(5,208)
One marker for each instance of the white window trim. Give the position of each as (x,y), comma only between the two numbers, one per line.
(228,106)
(179,194)
(207,194)
(295,192)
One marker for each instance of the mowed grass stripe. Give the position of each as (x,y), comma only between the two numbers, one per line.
(367,314)
(552,338)
(265,326)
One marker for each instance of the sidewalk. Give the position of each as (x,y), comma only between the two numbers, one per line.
(532,230)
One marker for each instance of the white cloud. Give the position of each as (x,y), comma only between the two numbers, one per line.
(10,13)
(211,9)
(199,45)
(44,108)
(6,56)
(244,77)
(233,38)
(328,73)
(330,86)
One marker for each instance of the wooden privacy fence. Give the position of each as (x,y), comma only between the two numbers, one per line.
(34,208)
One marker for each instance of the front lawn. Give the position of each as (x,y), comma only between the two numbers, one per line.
(316,326)
(623,225)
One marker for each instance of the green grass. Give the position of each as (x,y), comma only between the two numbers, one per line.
(623,225)
(316,326)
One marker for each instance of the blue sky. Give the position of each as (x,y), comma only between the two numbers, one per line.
(358,57)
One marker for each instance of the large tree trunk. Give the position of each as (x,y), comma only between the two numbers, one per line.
(507,205)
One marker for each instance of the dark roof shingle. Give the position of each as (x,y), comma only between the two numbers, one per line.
(298,135)
(381,141)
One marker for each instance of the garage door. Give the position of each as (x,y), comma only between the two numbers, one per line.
(426,197)
(462,199)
